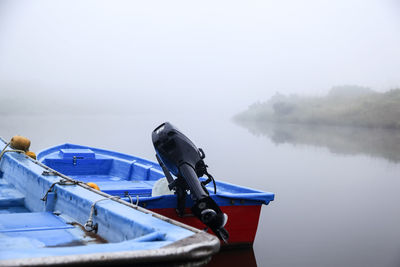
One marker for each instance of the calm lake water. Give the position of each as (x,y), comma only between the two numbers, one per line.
(337,190)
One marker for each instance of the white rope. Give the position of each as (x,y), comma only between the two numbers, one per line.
(4,151)
(12,150)
(131,200)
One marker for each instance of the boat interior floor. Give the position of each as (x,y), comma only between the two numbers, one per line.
(118,186)
(20,228)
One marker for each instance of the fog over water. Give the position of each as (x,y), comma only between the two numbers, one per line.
(219,56)
(106,73)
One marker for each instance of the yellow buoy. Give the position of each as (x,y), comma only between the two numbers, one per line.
(93,185)
(20,142)
(30,154)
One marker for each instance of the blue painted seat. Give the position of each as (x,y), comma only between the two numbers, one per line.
(10,198)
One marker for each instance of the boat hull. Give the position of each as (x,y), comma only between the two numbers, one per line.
(242,222)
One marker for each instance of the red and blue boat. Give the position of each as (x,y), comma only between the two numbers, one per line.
(134,179)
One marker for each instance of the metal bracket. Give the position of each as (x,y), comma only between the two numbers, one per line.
(89,226)
(61,182)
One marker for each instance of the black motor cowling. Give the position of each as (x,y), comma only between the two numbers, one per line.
(179,156)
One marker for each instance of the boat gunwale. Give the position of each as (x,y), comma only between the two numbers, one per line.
(252,194)
(198,247)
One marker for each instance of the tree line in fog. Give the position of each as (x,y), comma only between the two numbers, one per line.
(343,105)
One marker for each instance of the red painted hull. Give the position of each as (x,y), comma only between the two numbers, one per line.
(242,222)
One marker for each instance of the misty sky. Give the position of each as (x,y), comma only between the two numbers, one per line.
(221,55)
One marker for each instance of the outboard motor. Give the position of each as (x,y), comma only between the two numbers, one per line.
(176,154)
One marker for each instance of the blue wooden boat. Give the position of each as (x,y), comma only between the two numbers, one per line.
(133,179)
(48,218)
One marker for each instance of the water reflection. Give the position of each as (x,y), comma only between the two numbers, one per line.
(234,257)
(382,143)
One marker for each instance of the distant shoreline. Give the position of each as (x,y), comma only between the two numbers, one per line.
(343,106)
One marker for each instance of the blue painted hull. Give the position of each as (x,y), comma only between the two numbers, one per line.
(43,213)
